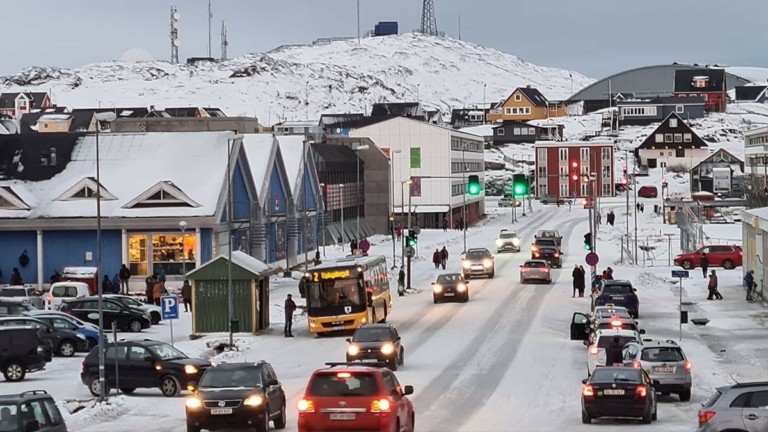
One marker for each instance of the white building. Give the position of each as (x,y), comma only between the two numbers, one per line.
(756,151)
(673,143)
(438,160)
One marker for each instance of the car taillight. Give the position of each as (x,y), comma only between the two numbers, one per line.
(557,254)
(641,391)
(588,391)
(380,405)
(705,417)
(305,405)
(687,365)
(545,269)
(536,254)
(636,364)
(593,349)
(82,367)
(616,323)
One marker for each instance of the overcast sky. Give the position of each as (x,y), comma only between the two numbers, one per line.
(594,37)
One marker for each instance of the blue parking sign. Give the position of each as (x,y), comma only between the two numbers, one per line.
(169,306)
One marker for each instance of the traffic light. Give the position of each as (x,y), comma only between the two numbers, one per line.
(519,185)
(473,185)
(412,238)
(588,241)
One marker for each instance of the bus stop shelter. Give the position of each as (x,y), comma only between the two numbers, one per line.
(250,292)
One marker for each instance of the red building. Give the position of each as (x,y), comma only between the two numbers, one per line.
(563,169)
(707,83)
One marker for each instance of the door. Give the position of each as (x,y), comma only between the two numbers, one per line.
(718,254)
(139,368)
(579,327)
(114,312)
(755,412)
(394,390)
(273,391)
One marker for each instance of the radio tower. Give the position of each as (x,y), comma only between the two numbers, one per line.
(428,18)
(224,40)
(175,17)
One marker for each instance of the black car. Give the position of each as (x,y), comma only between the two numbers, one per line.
(450,286)
(550,255)
(377,342)
(128,318)
(22,350)
(64,342)
(618,392)
(30,411)
(237,396)
(143,364)
(14,307)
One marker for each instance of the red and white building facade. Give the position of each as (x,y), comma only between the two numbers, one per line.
(562,169)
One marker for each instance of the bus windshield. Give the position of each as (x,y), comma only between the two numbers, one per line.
(334,293)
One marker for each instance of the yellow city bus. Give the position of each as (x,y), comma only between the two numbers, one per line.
(347,293)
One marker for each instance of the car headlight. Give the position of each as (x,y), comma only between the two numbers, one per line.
(461,287)
(189,369)
(437,288)
(465,264)
(499,243)
(353,350)
(387,349)
(193,402)
(516,242)
(487,263)
(253,400)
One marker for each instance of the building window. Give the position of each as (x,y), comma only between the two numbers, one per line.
(500,131)
(553,108)
(687,138)
(700,82)
(673,122)
(518,98)
(678,138)
(148,252)
(542,171)
(507,111)
(563,155)
(584,188)
(531,131)
(543,189)
(667,138)
(516,131)
(679,109)
(564,190)
(638,111)
(542,155)
(606,189)
(606,153)
(659,138)
(584,155)
(606,171)
(563,171)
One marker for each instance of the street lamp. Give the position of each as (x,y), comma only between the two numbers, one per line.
(392,192)
(230,215)
(341,192)
(183,227)
(323,191)
(108,117)
(464,195)
(402,205)
(357,147)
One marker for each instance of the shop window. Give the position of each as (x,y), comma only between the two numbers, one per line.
(174,252)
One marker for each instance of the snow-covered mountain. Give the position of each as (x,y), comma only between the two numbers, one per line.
(301,82)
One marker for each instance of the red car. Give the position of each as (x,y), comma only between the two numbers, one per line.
(723,256)
(356,397)
(648,192)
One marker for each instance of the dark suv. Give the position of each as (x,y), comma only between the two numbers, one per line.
(22,350)
(128,318)
(143,364)
(30,411)
(65,342)
(618,293)
(377,342)
(237,396)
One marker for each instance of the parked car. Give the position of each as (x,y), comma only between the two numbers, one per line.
(648,192)
(143,364)
(357,396)
(65,341)
(240,396)
(665,362)
(551,200)
(24,352)
(29,295)
(478,262)
(60,320)
(509,202)
(740,407)
(617,293)
(61,291)
(14,307)
(724,256)
(128,318)
(377,342)
(154,311)
(618,392)
(31,411)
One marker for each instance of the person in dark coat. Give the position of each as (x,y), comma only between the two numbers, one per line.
(125,275)
(704,264)
(444,257)
(186,295)
(445,224)
(749,282)
(613,353)
(290,308)
(437,258)
(712,287)
(16,277)
(149,283)
(353,246)
(401,282)
(106,285)
(583,283)
(576,274)
(55,277)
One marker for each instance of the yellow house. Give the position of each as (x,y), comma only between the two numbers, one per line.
(526,103)
(54,123)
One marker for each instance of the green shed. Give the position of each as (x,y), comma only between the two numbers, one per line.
(250,291)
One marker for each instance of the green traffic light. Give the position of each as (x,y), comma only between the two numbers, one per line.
(474,189)
(411,241)
(519,189)
(586,246)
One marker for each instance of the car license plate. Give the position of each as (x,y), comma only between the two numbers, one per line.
(614,392)
(221,411)
(449,294)
(663,369)
(617,298)
(341,327)
(477,267)
(343,416)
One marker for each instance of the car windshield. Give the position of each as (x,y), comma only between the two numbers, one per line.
(508,235)
(617,289)
(227,378)
(608,313)
(662,354)
(449,278)
(535,264)
(13,292)
(606,340)
(336,292)
(615,374)
(372,335)
(8,420)
(167,352)
(344,384)
(132,302)
(545,241)
(477,254)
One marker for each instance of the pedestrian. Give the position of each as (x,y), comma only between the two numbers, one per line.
(125,275)
(401,282)
(364,246)
(611,217)
(116,283)
(290,308)
(16,277)
(609,271)
(749,282)
(613,354)
(704,264)
(599,218)
(576,274)
(157,291)
(106,285)
(583,283)
(161,274)
(186,295)
(444,257)
(642,208)
(149,283)
(353,246)
(712,287)
(437,258)
(570,205)
(445,225)
(55,277)
(399,231)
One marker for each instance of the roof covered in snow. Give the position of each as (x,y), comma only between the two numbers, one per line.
(292,150)
(259,150)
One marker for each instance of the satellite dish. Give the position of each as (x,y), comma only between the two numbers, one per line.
(176,42)
(176,15)
(176,25)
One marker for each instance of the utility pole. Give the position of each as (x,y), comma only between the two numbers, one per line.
(210,17)
(408,284)
(224,40)
(358,22)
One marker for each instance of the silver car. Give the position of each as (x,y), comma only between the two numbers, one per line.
(537,270)
(741,407)
(665,362)
(508,240)
(478,262)
(26,294)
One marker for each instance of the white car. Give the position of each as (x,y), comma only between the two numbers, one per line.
(603,339)
(61,291)
(508,240)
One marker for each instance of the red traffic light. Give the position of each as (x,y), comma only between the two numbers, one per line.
(575,164)
(575,177)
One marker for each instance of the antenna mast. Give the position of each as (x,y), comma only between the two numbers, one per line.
(210,17)
(175,23)
(428,18)
(224,40)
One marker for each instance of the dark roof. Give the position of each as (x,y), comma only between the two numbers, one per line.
(665,100)
(664,128)
(534,95)
(684,80)
(404,109)
(27,120)
(360,122)
(334,157)
(749,93)
(32,148)
(340,120)
(7,99)
(193,111)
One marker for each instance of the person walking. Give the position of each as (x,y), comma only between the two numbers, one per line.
(290,308)
(437,258)
(186,295)
(125,275)
(445,225)
(704,264)
(106,285)
(583,283)
(749,282)
(364,246)
(16,277)
(401,282)
(116,283)
(157,291)
(353,246)
(444,257)
(712,287)
(149,283)
(576,275)
(570,205)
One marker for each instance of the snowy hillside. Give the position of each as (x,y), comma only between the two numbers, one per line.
(300,82)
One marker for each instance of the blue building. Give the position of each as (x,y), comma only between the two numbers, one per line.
(643,112)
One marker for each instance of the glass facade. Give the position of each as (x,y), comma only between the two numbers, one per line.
(173,252)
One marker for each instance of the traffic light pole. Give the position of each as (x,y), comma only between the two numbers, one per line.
(408,283)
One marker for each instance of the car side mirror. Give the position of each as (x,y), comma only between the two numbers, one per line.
(148,358)
(272,382)
(586,343)
(32,426)
(584,381)
(408,390)
(433,283)
(349,341)
(642,331)
(656,383)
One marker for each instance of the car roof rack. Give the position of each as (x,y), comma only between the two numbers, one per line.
(33,392)
(357,363)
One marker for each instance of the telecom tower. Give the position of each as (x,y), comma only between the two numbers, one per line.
(224,40)
(175,23)
(428,18)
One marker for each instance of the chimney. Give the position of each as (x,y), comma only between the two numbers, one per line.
(528,86)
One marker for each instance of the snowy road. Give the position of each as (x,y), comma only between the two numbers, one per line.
(501,362)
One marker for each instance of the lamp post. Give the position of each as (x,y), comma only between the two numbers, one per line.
(357,149)
(402,212)
(100,117)
(341,191)
(484,86)
(464,195)
(183,227)
(230,295)
(323,191)
(392,200)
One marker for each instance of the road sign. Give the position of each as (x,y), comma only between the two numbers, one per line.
(410,252)
(416,230)
(592,259)
(680,274)
(169,307)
